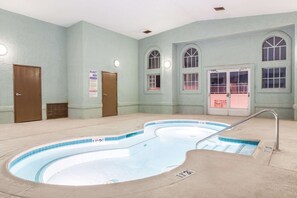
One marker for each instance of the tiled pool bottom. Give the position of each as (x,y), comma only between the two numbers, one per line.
(163,149)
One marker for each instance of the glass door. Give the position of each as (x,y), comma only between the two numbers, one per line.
(239,93)
(218,93)
(229,92)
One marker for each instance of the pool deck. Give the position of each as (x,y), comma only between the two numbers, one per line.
(216,174)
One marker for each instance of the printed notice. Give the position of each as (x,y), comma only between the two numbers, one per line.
(93,84)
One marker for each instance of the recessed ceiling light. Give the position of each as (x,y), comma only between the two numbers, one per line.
(147,31)
(221,8)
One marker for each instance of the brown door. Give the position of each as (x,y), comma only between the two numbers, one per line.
(27,93)
(109,94)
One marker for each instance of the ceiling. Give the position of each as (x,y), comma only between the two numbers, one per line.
(132,17)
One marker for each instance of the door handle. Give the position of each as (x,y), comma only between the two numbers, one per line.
(228,95)
(104,94)
(18,94)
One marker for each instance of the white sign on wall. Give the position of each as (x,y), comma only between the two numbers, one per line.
(93,84)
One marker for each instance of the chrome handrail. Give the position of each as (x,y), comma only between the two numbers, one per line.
(248,118)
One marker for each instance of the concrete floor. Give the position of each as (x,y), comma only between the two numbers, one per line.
(265,174)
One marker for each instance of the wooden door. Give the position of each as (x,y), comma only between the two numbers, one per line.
(27,93)
(109,94)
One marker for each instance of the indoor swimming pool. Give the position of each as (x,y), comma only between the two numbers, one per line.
(160,147)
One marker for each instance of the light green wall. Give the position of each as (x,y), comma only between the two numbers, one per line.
(67,55)
(36,43)
(75,69)
(223,43)
(234,51)
(98,50)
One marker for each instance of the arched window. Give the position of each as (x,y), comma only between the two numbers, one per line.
(154,60)
(189,70)
(153,71)
(276,63)
(191,58)
(274,48)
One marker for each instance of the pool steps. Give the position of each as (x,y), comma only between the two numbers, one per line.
(225,146)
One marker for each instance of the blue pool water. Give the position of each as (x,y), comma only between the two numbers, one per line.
(159,148)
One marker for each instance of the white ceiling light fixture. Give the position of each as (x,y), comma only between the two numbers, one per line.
(167,64)
(3,50)
(116,63)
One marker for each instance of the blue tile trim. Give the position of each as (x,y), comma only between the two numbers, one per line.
(186,122)
(124,136)
(172,122)
(239,141)
(69,143)
(49,147)
(216,124)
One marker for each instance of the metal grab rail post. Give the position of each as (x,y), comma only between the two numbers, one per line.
(248,118)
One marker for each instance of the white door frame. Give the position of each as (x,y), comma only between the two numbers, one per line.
(228,110)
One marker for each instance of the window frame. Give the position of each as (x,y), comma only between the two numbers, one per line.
(154,57)
(183,76)
(273,47)
(155,71)
(148,82)
(274,78)
(275,64)
(190,57)
(189,70)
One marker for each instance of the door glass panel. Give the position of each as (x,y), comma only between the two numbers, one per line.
(239,90)
(218,98)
